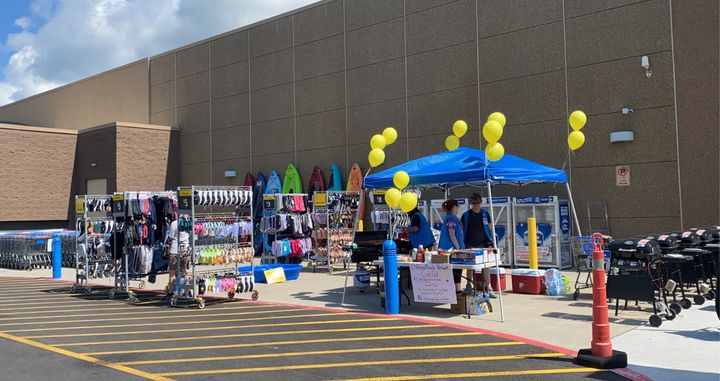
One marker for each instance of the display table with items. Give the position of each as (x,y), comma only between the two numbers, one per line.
(432,279)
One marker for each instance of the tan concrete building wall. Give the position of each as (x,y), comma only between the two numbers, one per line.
(36,174)
(146,157)
(118,94)
(696,30)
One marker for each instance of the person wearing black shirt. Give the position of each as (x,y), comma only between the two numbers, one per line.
(478,233)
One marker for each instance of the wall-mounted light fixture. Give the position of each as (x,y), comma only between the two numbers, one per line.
(93,164)
(645,63)
(626,134)
(230,173)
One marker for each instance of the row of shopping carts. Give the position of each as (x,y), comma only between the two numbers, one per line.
(32,250)
(670,271)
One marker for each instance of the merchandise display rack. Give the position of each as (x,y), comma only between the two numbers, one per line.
(335,214)
(275,207)
(128,219)
(219,223)
(93,259)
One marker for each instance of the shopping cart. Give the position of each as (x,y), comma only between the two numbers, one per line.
(582,248)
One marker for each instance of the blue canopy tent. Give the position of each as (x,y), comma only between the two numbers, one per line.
(469,167)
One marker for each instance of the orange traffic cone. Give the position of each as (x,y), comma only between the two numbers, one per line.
(601,354)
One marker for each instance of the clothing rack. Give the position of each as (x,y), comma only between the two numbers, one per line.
(219,222)
(141,230)
(93,258)
(335,215)
(281,211)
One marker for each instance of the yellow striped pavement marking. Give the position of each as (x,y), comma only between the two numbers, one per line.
(60,303)
(163,311)
(87,303)
(86,358)
(533,372)
(314,322)
(116,308)
(327,352)
(197,315)
(288,342)
(86,327)
(361,363)
(250,334)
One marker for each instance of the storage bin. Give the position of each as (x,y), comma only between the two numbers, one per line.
(292,271)
(527,281)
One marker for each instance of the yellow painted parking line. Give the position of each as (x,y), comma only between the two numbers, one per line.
(36,287)
(361,363)
(60,303)
(164,323)
(533,372)
(86,358)
(288,342)
(62,306)
(196,315)
(250,334)
(37,298)
(168,312)
(113,308)
(95,334)
(327,352)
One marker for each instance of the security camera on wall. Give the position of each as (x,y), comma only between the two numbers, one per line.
(645,63)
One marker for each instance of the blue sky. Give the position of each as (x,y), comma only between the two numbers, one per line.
(10,10)
(47,43)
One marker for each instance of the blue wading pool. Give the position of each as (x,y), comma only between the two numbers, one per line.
(292,272)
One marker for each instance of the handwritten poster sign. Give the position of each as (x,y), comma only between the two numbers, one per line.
(433,283)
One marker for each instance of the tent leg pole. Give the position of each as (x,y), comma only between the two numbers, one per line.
(494,239)
(572,206)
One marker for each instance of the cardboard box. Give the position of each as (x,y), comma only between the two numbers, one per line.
(461,307)
(472,256)
(439,259)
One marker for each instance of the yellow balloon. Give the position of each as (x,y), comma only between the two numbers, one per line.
(377,141)
(390,135)
(577,120)
(498,117)
(452,142)
(401,179)
(408,201)
(492,131)
(376,157)
(392,197)
(460,128)
(494,152)
(576,139)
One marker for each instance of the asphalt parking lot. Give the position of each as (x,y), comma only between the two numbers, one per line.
(48,333)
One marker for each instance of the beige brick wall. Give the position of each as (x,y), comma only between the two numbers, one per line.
(146,159)
(36,174)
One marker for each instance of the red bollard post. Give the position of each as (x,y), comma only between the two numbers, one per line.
(600,354)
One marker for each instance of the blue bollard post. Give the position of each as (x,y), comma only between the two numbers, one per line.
(392,292)
(56,258)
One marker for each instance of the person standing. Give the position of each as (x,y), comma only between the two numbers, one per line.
(419,232)
(451,234)
(478,233)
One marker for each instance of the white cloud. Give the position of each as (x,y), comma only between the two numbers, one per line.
(79,38)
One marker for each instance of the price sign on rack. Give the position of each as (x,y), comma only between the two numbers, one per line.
(320,199)
(80,205)
(378,197)
(118,205)
(185,201)
(269,202)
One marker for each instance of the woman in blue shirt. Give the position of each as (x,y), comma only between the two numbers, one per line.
(451,234)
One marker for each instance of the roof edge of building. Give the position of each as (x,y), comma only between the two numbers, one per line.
(17,127)
(143,126)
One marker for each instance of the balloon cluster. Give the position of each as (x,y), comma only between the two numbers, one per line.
(378,143)
(407,201)
(492,132)
(577,121)
(459,129)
